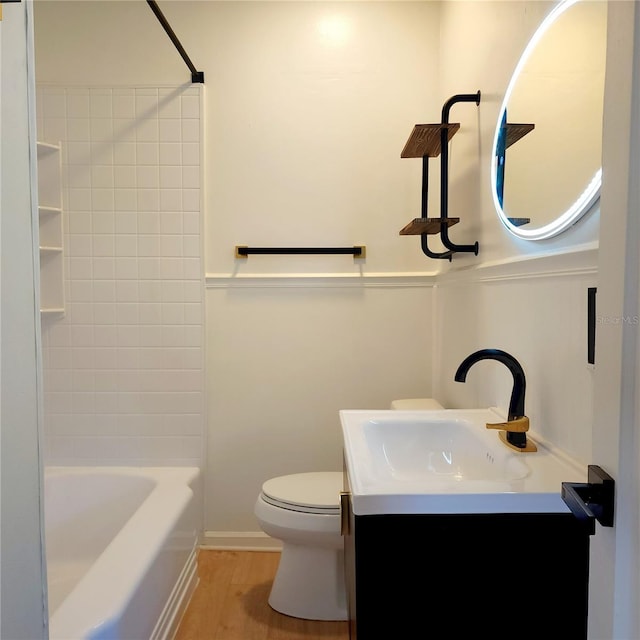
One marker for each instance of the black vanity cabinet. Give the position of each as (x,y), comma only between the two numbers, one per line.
(464,576)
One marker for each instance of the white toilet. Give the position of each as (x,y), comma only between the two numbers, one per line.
(302,510)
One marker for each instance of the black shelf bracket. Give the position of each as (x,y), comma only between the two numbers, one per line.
(196,76)
(427,141)
(593,500)
(356,252)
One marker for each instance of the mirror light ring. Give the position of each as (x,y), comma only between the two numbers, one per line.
(587,198)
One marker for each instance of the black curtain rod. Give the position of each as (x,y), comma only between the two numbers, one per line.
(196,76)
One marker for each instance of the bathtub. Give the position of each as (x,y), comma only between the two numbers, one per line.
(121,549)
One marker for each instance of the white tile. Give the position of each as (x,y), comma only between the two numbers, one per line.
(102,177)
(147,153)
(171,246)
(190,153)
(147,131)
(126,222)
(78,105)
(170,153)
(173,313)
(169,105)
(191,177)
(127,313)
(150,290)
(150,314)
(149,268)
(193,336)
(172,268)
(101,106)
(81,291)
(80,245)
(105,358)
(101,129)
(105,335)
(104,291)
(173,358)
(80,312)
(124,106)
(173,291)
(103,222)
(127,270)
(124,131)
(105,381)
(150,335)
(102,151)
(61,381)
(193,359)
(192,268)
(79,222)
(83,402)
(127,291)
(171,177)
(55,105)
(151,358)
(191,199)
(128,358)
(146,104)
(126,246)
(170,199)
(105,312)
(79,153)
(102,199)
(83,381)
(129,381)
(125,200)
(60,335)
(149,222)
(191,246)
(171,223)
(173,336)
(148,200)
(192,291)
(60,358)
(80,268)
(79,176)
(128,336)
(106,402)
(79,200)
(191,222)
(190,106)
(124,177)
(193,313)
(169,130)
(190,130)
(82,358)
(56,129)
(124,153)
(148,245)
(103,268)
(82,335)
(147,177)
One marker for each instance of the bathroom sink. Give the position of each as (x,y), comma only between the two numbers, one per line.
(447,461)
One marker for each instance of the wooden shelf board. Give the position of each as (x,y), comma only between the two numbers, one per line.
(517,131)
(431,226)
(425,140)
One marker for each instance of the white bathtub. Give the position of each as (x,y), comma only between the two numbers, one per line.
(121,545)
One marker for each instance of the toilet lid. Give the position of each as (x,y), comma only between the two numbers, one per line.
(316,492)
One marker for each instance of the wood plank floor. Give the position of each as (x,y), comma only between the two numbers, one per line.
(230,602)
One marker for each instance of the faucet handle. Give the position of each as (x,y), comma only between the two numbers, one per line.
(517,425)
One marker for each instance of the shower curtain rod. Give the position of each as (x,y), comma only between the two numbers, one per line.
(196,76)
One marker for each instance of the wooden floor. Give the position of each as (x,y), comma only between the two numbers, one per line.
(230,602)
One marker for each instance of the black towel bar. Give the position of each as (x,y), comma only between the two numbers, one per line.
(356,252)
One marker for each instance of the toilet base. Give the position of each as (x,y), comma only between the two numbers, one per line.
(309,584)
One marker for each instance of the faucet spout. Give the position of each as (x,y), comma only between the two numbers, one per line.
(516,404)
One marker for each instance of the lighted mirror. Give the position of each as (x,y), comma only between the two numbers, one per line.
(547,150)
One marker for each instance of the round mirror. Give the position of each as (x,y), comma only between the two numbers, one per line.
(546,168)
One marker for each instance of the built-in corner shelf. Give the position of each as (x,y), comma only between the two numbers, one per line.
(431,226)
(51,235)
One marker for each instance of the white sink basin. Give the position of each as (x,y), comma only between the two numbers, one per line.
(447,462)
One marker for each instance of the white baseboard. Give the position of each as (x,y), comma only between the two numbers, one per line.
(240,541)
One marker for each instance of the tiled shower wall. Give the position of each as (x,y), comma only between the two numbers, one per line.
(124,367)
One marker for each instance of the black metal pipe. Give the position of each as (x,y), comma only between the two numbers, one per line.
(445,255)
(444,171)
(196,76)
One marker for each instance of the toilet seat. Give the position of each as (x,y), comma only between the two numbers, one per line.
(315,492)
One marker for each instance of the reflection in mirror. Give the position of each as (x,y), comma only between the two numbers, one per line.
(546,168)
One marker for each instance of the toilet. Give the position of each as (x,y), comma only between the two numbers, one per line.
(302,510)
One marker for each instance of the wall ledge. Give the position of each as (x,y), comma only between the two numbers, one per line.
(320,280)
(582,260)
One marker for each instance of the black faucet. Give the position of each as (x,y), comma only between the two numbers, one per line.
(516,404)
